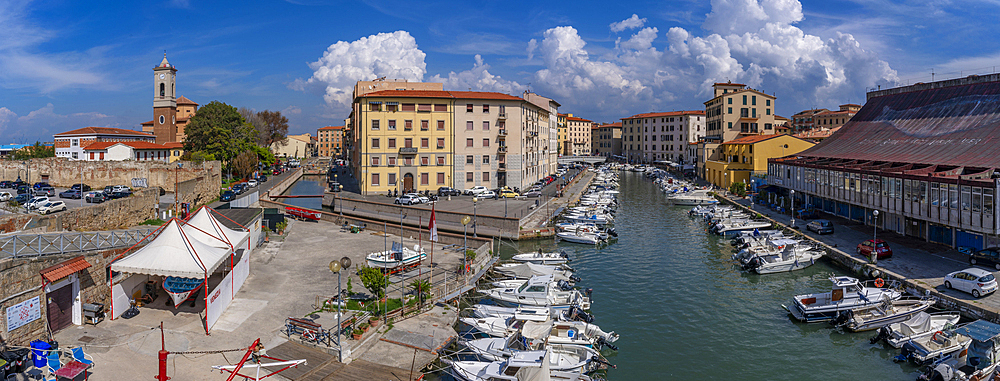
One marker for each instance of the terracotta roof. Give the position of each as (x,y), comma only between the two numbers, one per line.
(147,123)
(484,95)
(661,114)
(615,124)
(64,269)
(836,112)
(408,94)
(816,133)
(103,131)
(851,104)
(751,139)
(184,101)
(776,116)
(575,119)
(134,145)
(331,128)
(174,145)
(729,84)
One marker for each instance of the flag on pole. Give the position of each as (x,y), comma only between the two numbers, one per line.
(433,226)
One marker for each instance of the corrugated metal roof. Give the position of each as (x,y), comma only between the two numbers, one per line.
(958,125)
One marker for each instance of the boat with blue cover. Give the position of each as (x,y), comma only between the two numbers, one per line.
(180,289)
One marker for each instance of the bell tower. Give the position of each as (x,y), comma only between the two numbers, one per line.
(164,102)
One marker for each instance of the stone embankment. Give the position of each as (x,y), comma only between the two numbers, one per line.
(114,214)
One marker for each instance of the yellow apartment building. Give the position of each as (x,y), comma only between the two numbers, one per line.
(741,158)
(405,140)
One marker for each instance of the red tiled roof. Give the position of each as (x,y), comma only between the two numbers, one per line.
(615,124)
(64,269)
(661,114)
(408,94)
(103,131)
(184,101)
(484,95)
(575,119)
(729,84)
(174,145)
(751,139)
(135,145)
(331,128)
(836,112)
(147,123)
(851,104)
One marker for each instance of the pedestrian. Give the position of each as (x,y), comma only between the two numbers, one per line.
(258,351)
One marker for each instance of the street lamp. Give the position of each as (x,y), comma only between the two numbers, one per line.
(792,196)
(335,266)
(177,191)
(875,231)
(465,243)
(475,216)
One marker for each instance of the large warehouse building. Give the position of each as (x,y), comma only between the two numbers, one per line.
(925,156)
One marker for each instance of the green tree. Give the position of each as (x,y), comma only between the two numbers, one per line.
(374,280)
(739,189)
(34,151)
(264,155)
(422,288)
(218,130)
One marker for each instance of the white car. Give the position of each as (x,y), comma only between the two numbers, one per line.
(476,190)
(973,280)
(4,197)
(407,200)
(423,200)
(487,194)
(52,207)
(252,183)
(36,202)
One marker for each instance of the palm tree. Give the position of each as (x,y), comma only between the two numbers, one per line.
(421,287)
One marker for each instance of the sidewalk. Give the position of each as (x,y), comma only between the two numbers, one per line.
(922,262)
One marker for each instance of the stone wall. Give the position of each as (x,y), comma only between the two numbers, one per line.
(21,276)
(508,227)
(110,215)
(62,172)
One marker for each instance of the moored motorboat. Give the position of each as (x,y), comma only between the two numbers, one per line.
(885,313)
(847,294)
(920,325)
(540,291)
(539,258)
(398,256)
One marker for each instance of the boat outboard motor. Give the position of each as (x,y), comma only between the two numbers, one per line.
(588,291)
(942,372)
(577,313)
(612,232)
(575,278)
(597,360)
(841,318)
(905,352)
(752,263)
(564,285)
(883,334)
(602,342)
(564,254)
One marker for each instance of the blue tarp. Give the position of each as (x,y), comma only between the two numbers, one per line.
(980,330)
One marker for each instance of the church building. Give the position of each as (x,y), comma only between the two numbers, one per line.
(171,113)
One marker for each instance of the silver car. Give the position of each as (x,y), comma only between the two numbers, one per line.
(975,281)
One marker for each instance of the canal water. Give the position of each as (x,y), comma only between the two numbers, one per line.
(684,312)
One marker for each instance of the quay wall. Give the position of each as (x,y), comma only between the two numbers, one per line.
(507,227)
(110,215)
(863,268)
(62,172)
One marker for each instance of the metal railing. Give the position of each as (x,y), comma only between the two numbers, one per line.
(34,245)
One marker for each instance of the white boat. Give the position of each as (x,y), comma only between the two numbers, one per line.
(540,291)
(692,198)
(538,258)
(729,228)
(935,347)
(976,361)
(847,294)
(522,366)
(596,219)
(787,259)
(584,237)
(920,325)
(399,256)
(528,270)
(572,314)
(561,357)
(885,313)
(556,332)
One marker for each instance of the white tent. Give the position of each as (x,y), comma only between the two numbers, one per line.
(205,227)
(174,252)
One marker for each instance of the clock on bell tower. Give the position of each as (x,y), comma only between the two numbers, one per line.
(164,102)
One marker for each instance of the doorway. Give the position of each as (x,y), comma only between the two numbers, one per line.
(60,307)
(408,183)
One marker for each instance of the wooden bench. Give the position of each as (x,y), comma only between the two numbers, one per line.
(308,330)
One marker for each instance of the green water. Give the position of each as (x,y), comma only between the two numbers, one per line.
(685,313)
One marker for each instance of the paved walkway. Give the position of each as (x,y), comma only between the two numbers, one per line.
(915,259)
(571,194)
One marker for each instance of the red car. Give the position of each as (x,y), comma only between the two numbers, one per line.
(879,246)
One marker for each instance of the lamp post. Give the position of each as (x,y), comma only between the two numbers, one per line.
(475,217)
(875,230)
(177,191)
(792,196)
(465,244)
(335,266)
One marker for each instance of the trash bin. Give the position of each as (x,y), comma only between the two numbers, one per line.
(39,352)
(17,360)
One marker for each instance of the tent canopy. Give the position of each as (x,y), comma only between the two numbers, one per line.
(174,252)
(212,232)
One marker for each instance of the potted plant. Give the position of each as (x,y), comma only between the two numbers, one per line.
(357,334)
(281,227)
(364,327)
(373,321)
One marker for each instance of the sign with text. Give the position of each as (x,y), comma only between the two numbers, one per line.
(138,182)
(23,313)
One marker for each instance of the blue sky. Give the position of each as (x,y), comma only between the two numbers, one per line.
(70,64)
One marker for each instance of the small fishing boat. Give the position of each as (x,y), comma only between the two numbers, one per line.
(180,289)
(521,366)
(935,347)
(692,198)
(304,213)
(885,313)
(539,258)
(920,325)
(561,357)
(847,294)
(561,332)
(540,291)
(528,270)
(977,361)
(398,256)
(489,310)
(584,237)
(783,258)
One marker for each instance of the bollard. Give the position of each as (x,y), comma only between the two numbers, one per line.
(162,354)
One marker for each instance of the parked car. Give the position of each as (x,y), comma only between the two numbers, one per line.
(422,198)
(407,200)
(6,184)
(45,191)
(476,190)
(121,188)
(251,183)
(227,196)
(262,178)
(989,256)
(119,194)
(504,193)
(72,193)
(820,226)
(36,202)
(448,191)
(239,188)
(5,196)
(335,186)
(96,197)
(86,188)
(879,246)
(276,172)
(487,194)
(973,280)
(532,193)
(52,207)
(22,198)
(18,183)
(22,189)
(40,184)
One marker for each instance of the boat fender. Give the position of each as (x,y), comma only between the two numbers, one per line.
(879,282)
(875,273)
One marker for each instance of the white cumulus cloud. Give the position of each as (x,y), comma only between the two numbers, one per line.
(393,55)
(629,23)
(478,79)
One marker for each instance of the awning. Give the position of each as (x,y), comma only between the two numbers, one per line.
(374,103)
(64,269)
(392,103)
(175,252)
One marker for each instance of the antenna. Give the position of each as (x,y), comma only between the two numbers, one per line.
(932,74)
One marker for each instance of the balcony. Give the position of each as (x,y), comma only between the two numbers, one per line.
(502,149)
(503,133)
(408,150)
(502,167)
(533,134)
(502,116)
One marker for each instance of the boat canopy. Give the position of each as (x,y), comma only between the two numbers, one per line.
(537,330)
(985,342)
(919,323)
(980,330)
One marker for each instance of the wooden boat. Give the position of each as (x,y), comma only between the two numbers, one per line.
(180,289)
(303,213)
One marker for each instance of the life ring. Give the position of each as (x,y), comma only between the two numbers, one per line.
(879,282)
(934,337)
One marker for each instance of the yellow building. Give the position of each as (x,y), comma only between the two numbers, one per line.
(741,158)
(405,140)
(176,150)
(561,135)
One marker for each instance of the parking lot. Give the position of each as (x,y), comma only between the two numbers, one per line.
(71,203)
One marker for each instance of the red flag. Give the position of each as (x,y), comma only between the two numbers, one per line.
(433,226)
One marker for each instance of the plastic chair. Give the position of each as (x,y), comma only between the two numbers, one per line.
(80,356)
(53,365)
